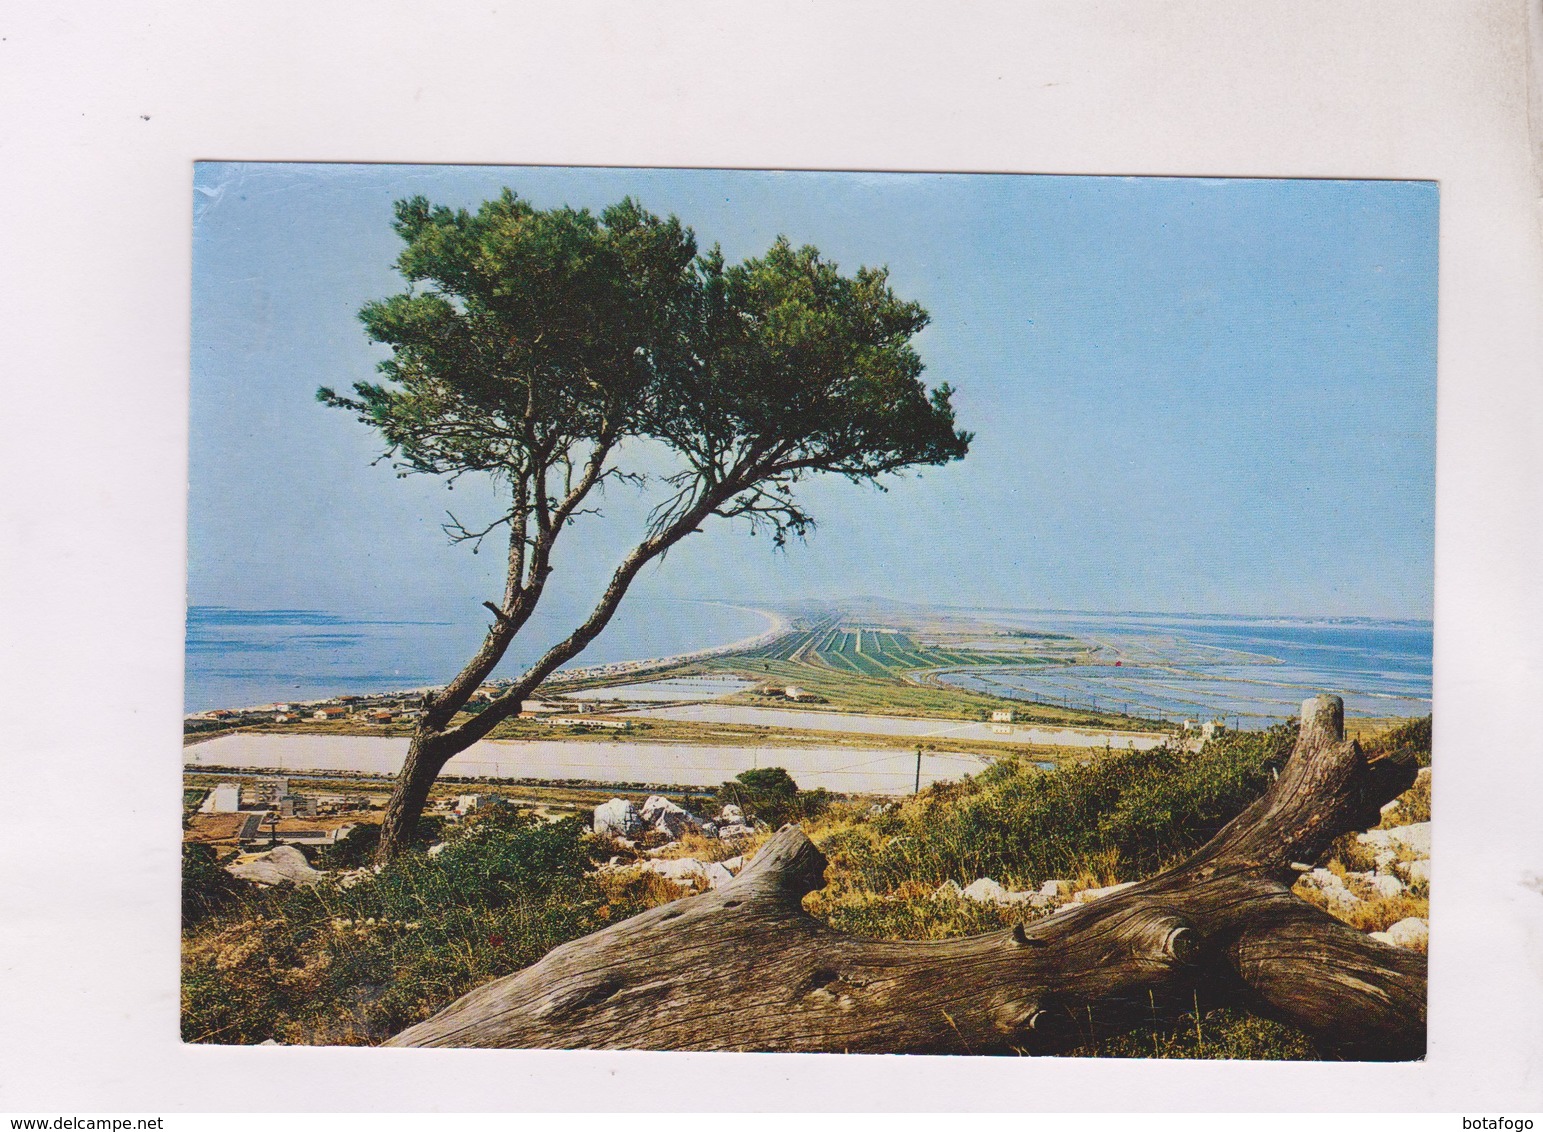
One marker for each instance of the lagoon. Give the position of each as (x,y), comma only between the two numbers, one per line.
(845,769)
(898,725)
(1251,671)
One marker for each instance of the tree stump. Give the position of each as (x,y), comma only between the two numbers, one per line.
(745,968)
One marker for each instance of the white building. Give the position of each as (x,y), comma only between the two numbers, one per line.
(1002,716)
(466,803)
(223,799)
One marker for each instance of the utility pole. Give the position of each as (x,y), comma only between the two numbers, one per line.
(918,789)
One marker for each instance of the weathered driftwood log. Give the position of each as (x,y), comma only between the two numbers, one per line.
(744,967)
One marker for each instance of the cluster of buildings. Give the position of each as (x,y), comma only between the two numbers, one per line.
(392,707)
(790,692)
(272,813)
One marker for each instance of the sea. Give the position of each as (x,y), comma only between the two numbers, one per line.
(1248,671)
(240,658)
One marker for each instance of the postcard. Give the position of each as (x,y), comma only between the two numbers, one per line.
(799,611)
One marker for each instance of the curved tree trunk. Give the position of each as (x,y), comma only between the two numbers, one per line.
(744,967)
(422,766)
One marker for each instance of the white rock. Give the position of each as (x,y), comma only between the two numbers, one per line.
(668,818)
(1332,888)
(1410,932)
(1414,839)
(653,806)
(1088,895)
(436,849)
(734,864)
(731,815)
(985,890)
(686,871)
(672,819)
(1389,807)
(279,864)
(1053,888)
(730,832)
(618,818)
(1386,886)
(1382,937)
(1423,774)
(948,890)
(1385,859)
(1417,870)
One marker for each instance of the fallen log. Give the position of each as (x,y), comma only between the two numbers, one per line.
(745,968)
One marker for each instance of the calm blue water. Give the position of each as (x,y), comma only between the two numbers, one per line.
(244,657)
(1253,671)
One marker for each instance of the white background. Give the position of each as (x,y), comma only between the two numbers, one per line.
(105,107)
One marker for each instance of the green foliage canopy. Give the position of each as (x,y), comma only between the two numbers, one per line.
(534,341)
(769,794)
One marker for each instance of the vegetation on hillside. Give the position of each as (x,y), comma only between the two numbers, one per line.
(355,960)
(340,963)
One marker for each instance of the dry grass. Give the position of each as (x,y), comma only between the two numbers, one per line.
(637,888)
(1373,913)
(1413,805)
(710,849)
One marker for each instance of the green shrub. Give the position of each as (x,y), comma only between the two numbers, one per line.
(358,845)
(333,965)
(206,887)
(1409,740)
(769,794)
(1122,815)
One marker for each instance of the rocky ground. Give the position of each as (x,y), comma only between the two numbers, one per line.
(1377,881)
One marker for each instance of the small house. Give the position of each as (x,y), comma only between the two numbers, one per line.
(1002,716)
(466,803)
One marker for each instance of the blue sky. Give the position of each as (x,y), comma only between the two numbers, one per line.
(1188,395)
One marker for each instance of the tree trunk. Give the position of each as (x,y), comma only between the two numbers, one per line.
(745,968)
(427,755)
